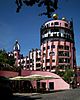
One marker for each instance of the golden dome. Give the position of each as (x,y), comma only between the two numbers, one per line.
(55,16)
(63,18)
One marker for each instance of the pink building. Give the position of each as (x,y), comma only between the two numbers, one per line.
(57,45)
(57,48)
(52,84)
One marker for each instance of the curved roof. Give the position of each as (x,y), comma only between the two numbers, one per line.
(26,73)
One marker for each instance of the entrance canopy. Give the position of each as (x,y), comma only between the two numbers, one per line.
(33,77)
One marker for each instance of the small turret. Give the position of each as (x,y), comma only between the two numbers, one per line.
(16,46)
(16,50)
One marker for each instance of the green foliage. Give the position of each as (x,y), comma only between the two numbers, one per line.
(60,73)
(68,75)
(6,62)
(3,56)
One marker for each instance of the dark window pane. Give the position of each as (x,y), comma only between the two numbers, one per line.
(53,60)
(67,54)
(37,59)
(56,30)
(51,85)
(47,60)
(66,24)
(48,47)
(60,53)
(40,53)
(53,46)
(52,30)
(51,23)
(60,47)
(47,67)
(61,60)
(52,53)
(38,65)
(66,47)
(43,48)
(56,23)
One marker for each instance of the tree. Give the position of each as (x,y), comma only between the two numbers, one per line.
(68,75)
(3,56)
(6,61)
(51,5)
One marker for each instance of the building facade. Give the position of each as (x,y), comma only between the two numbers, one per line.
(57,45)
(57,48)
(32,61)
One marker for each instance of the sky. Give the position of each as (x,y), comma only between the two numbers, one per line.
(25,26)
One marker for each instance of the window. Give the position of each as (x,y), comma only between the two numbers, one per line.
(43,61)
(38,65)
(52,23)
(65,35)
(61,60)
(53,60)
(67,60)
(30,65)
(43,48)
(66,25)
(48,35)
(52,53)
(61,53)
(68,36)
(23,62)
(53,46)
(61,66)
(47,60)
(48,47)
(44,85)
(66,47)
(59,34)
(31,60)
(27,61)
(52,30)
(67,54)
(47,25)
(39,53)
(56,30)
(37,59)
(60,47)
(51,85)
(56,23)
(27,66)
(54,35)
(44,54)
(47,67)
(53,67)
(15,54)
(45,31)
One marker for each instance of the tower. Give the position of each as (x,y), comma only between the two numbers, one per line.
(57,45)
(16,52)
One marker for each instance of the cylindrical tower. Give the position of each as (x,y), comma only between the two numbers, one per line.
(57,45)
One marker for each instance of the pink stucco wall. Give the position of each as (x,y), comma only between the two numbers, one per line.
(8,74)
(59,83)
